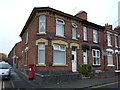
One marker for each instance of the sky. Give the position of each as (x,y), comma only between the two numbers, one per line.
(14,14)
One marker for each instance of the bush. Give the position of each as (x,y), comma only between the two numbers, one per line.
(84,68)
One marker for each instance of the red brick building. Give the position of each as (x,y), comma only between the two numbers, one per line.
(56,42)
(15,55)
(112,48)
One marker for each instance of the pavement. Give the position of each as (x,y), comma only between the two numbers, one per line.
(20,81)
(84,83)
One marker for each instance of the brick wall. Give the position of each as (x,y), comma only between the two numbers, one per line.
(32,52)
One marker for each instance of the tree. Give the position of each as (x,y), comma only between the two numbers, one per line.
(3,57)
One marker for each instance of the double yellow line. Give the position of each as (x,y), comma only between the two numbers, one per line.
(104,85)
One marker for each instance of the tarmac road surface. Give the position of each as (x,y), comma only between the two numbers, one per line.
(5,84)
(115,85)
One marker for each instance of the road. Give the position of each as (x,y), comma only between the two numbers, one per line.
(108,85)
(5,84)
(18,81)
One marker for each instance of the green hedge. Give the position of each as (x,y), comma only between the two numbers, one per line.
(84,68)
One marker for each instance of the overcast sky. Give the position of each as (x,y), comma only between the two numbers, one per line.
(14,14)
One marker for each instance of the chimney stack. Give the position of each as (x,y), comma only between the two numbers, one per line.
(117,29)
(108,26)
(82,15)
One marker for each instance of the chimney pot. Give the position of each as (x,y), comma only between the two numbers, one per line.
(108,26)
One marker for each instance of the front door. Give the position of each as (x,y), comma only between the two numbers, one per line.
(74,60)
(85,57)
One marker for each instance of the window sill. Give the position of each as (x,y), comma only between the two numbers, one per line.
(116,46)
(26,43)
(74,38)
(111,65)
(117,70)
(59,65)
(95,43)
(97,65)
(85,40)
(85,63)
(110,45)
(40,65)
(41,33)
(25,65)
(60,36)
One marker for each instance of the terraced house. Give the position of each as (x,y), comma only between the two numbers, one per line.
(56,42)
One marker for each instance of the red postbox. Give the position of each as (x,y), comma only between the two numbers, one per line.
(31,71)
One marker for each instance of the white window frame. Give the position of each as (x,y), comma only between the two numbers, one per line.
(111,56)
(95,36)
(96,50)
(57,47)
(85,33)
(26,38)
(61,23)
(43,22)
(74,31)
(41,48)
(119,41)
(116,43)
(109,39)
